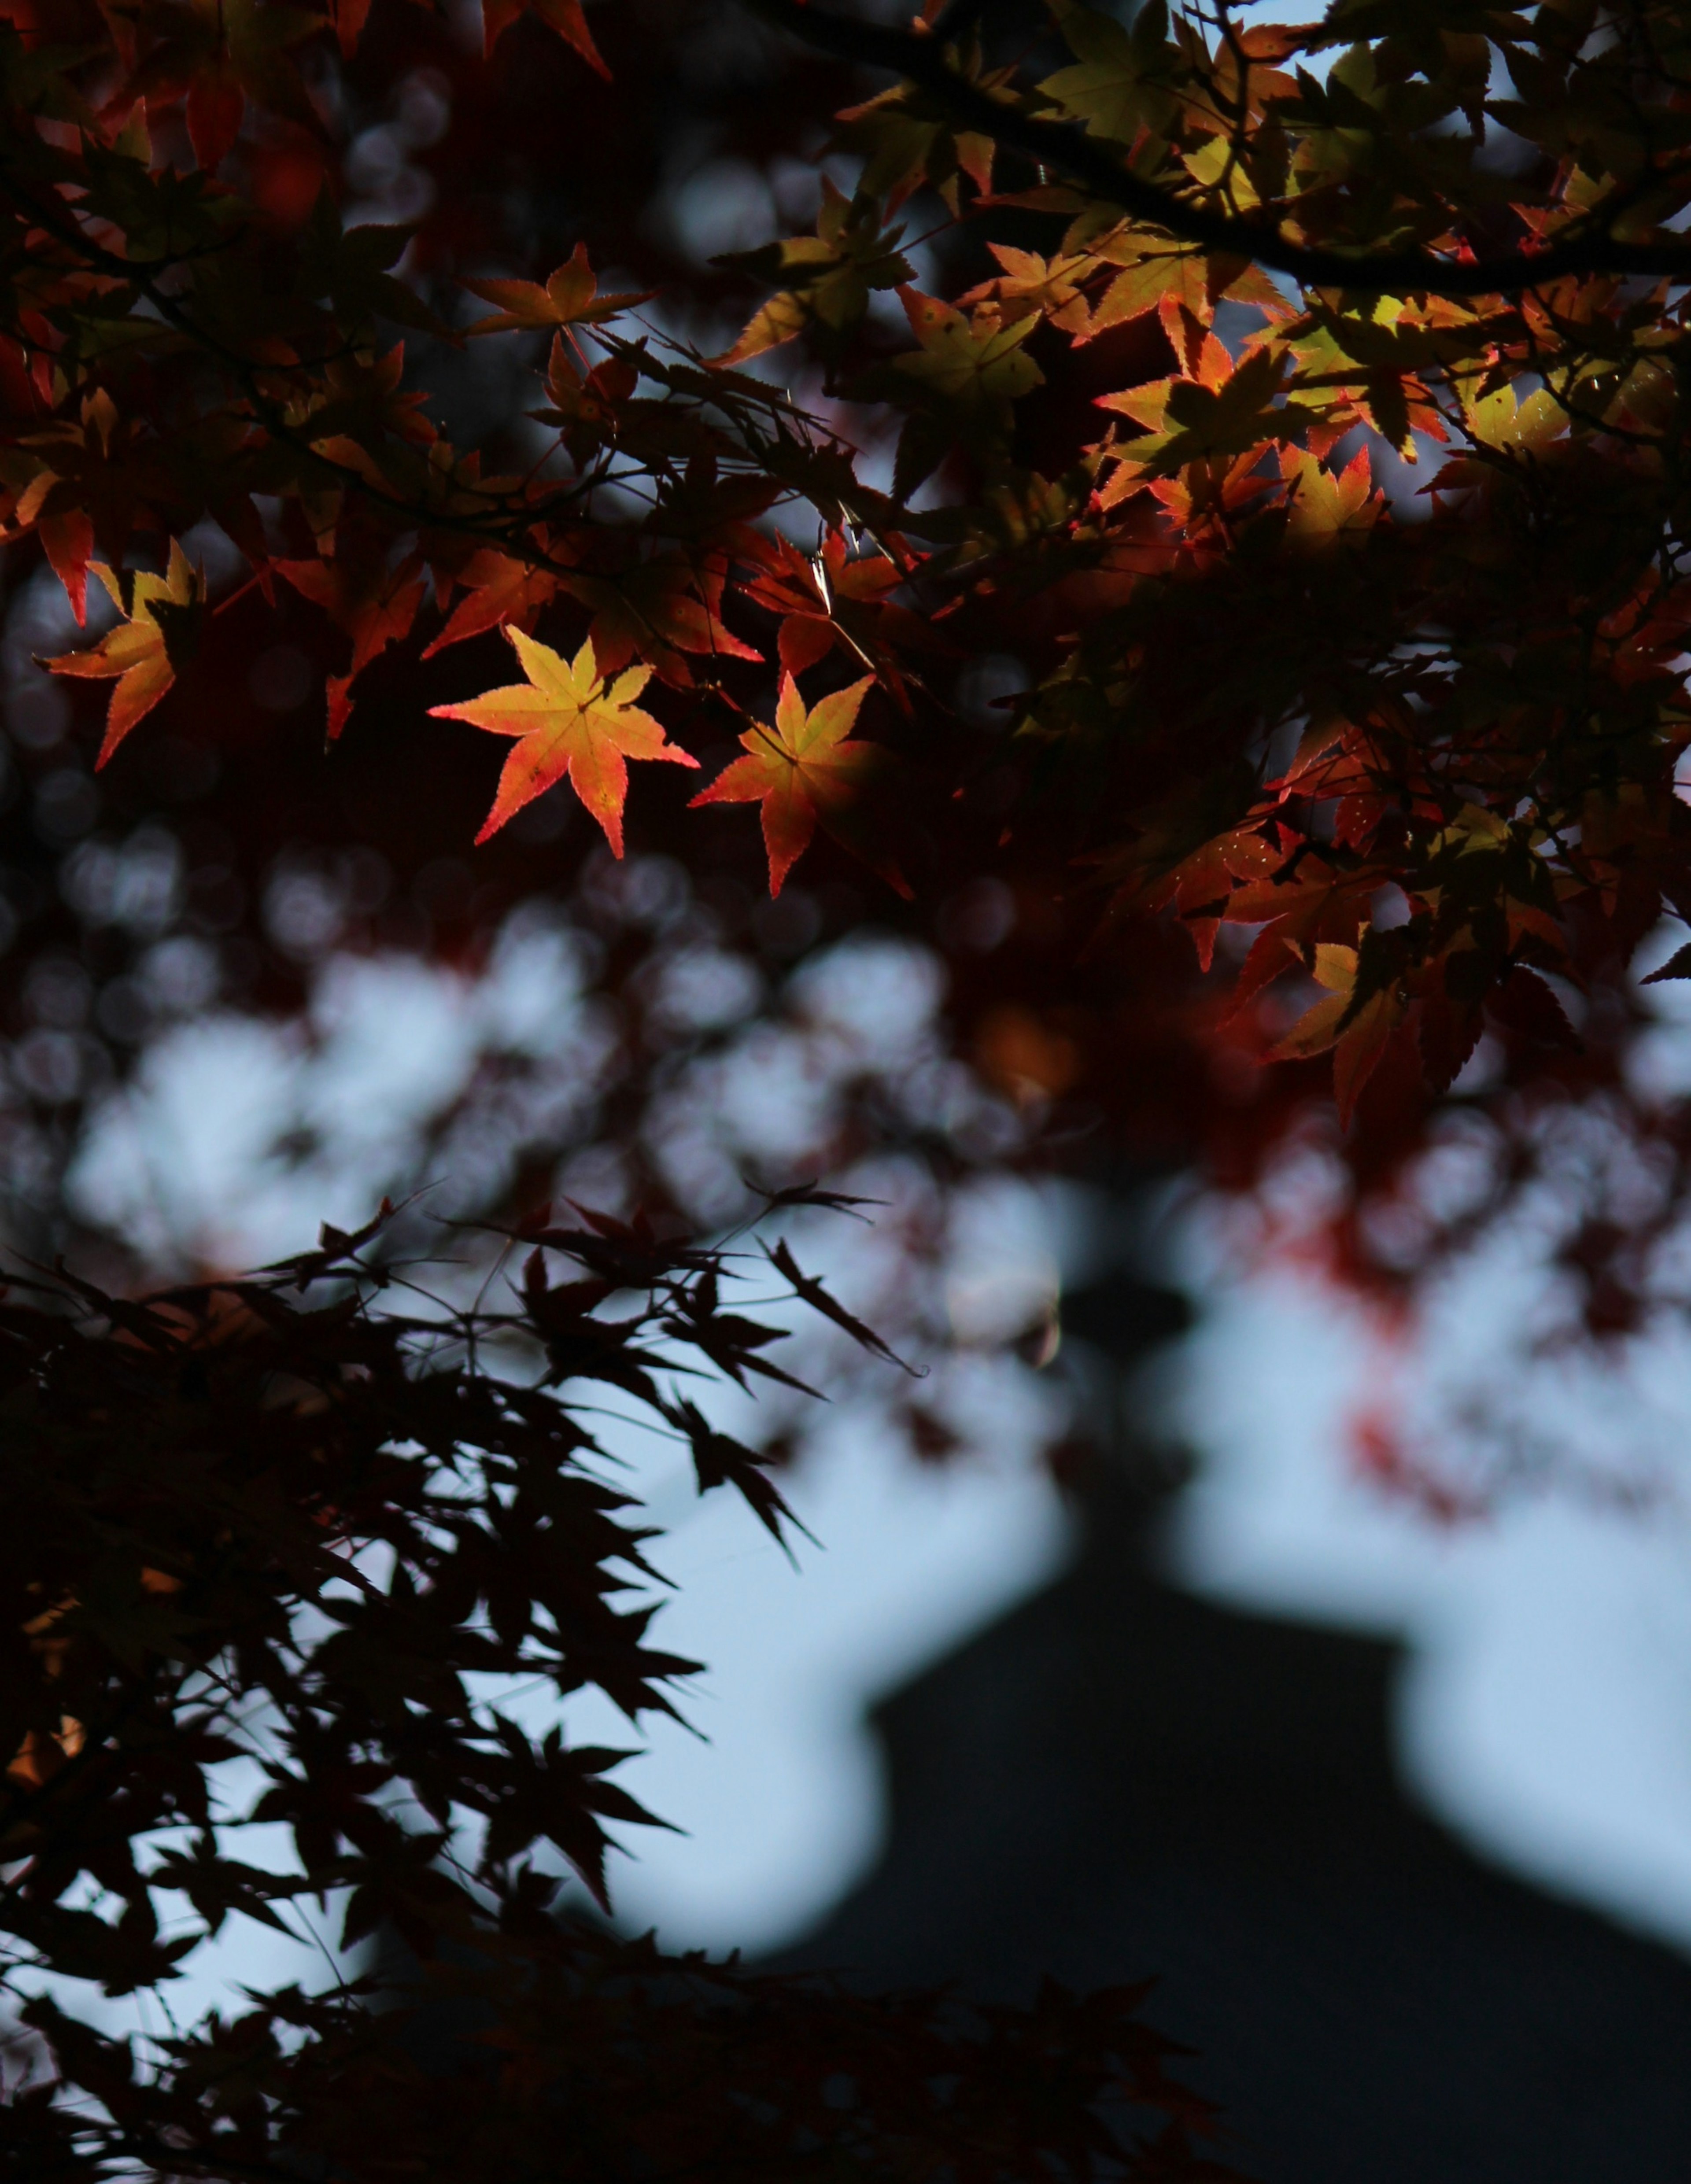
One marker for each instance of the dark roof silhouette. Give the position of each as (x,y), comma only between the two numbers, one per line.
(1120,1779)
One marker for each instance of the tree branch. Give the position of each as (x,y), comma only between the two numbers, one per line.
(919,57)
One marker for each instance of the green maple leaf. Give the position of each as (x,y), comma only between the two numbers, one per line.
(1118,82)
(826,278)
(973,364)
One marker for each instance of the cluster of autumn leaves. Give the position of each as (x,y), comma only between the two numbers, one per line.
(1300,703)
(568,720)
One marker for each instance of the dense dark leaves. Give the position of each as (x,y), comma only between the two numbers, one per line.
(594,2058)
(276,1519)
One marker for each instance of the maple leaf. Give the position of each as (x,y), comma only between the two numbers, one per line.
(811,1292)
(1123,78)
(1356,1022)
(827,599)
(905,137)
(568,720)
(1029,283)
(662,608)
(1334,970)
(959,385)
(376,608)
(1144,285)
(142,653)
(588,409)
(1326,509)
(95,484)
(805,771)
(565,17)
(1677,966)
(1221,412)
(497,590)
(827,278)
(67,541)
(975,364)
(217,58)
(570,298)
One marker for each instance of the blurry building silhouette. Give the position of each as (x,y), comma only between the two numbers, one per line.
(1119,1779)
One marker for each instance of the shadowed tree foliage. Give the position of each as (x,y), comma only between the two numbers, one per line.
(272,1542)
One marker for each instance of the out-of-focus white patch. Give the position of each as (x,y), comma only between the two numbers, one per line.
(1004,1277)
(185,1162)
(1546,1712)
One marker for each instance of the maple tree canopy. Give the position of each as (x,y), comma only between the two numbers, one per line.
(1366,595)
(1293,412)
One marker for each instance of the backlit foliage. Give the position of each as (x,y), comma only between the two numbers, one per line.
(1419,739)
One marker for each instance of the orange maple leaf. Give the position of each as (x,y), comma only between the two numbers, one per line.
(570,298)
(568,720)
(142,653)
(804,772)
(497,590)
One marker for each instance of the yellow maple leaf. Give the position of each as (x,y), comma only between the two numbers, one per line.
(142,653)
(1327,507)
(568,720)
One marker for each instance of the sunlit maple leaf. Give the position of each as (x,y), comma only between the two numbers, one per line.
(142,653)
(1326,508)
(569,722)
(976,364)
(67,541)
(804,771)
(570,298)
(1028,282)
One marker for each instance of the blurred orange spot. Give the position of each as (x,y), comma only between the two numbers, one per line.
(1024,1058)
